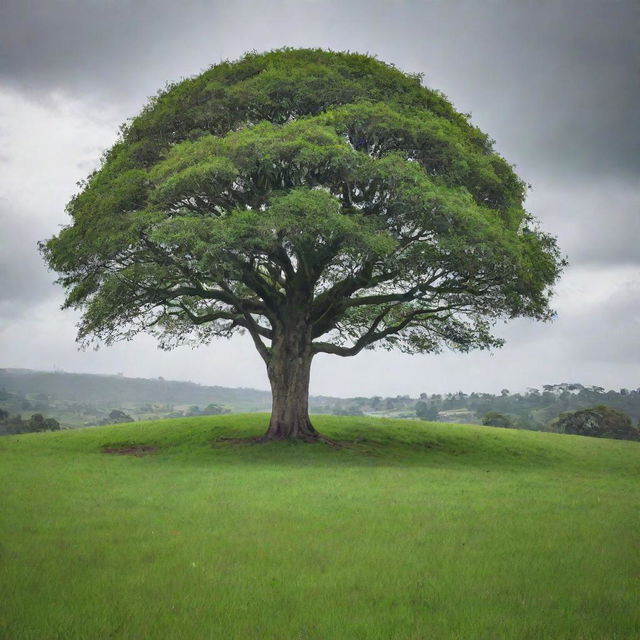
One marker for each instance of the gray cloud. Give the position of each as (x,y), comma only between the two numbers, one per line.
(597,221)
(24,281)
(46,149)
(558,83)
(555,82)
(610,334)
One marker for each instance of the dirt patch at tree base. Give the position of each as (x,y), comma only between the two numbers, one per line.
(223,441)
(137,450)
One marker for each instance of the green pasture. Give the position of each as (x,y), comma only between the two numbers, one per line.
(408,530)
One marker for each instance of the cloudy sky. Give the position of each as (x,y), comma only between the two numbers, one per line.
(555,83)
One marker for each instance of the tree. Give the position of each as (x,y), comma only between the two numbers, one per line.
(116,416)
(36,422)
(496,419)
(322,202)
(598,422)
(15,424)
(51,424)
(426,411)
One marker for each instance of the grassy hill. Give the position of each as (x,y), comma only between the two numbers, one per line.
(409,530)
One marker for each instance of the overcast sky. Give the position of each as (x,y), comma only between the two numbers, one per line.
(555,83)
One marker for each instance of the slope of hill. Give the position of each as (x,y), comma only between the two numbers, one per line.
(115,390)
(407,530)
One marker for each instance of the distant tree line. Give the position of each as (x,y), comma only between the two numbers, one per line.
(84,413)
(534,409)
(14,424)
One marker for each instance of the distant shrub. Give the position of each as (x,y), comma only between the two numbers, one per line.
(214,410)
(116,416)
(11,425)
(495,419)
(36,422)
(347,411)
(598,422)
(51,424)
(426,411)
(210,410)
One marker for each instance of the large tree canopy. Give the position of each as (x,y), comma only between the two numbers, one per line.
(322,202)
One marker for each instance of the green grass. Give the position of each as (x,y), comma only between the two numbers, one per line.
(417,530)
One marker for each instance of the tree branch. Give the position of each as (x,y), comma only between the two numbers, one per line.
(371,336)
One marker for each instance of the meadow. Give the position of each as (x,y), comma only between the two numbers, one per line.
(408,530)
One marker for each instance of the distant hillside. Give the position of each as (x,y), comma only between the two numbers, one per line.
(80,399)
(114,390)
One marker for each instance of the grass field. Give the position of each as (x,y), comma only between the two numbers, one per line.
(414,530)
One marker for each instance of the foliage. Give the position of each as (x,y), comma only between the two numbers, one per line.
(116,416)
(211,409)
(425,411)
(495,419)
(323,202)
(15,424)
(537,409)
(51,424)
(599,422)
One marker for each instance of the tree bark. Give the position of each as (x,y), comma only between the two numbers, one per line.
(289,369)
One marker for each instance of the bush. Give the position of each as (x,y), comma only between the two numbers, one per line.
(598,422)
(426,411)
(36,422)
(51,424)
(116,416)
(495,419)
(10,425)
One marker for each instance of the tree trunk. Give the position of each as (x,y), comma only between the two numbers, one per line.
(289,369)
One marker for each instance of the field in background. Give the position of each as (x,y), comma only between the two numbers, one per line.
(409,530)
